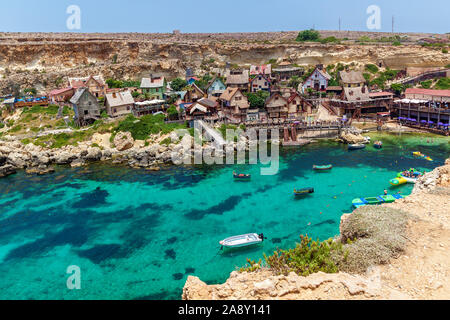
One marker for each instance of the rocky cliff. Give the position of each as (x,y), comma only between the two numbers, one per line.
(420,272)
(45,60)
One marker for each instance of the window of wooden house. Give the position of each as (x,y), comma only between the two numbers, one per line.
(86,112)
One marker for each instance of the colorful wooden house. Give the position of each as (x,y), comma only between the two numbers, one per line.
(317,80)
(119,103)
(155,87)
(352,79)
(95,84)
(238,79)
(260,82)
(265,69)
(277,107)
(216,87)
(86,107)
(61,96)
(203,109)
(193,93)
(234,105)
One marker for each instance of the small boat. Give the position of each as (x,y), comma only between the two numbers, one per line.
(243,240)
(241,176)
(304,191)
(359,202)
(324,167)
(356,146)
(378,144)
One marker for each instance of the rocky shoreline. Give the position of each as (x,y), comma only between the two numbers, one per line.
(14,155)
(420,272)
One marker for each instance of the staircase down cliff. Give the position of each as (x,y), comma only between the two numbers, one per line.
(421,272)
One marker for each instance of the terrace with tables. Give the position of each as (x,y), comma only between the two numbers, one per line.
(432,116)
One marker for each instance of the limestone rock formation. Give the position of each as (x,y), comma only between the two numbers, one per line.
(123,141)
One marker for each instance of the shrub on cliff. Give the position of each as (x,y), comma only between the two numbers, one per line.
(372,235)
(306,258)
(308,35)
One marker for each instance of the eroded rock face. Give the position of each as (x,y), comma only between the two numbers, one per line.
(123,141)
(264,285)
(131,56)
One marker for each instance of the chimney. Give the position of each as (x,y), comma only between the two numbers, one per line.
(320,66)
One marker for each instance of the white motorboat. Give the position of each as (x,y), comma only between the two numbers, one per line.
(243,240)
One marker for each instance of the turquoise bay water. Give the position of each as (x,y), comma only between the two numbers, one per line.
(138,235)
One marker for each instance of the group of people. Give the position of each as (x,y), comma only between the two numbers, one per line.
(412,174)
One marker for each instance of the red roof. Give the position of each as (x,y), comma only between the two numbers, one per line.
(430,92)
(293,96)
(380,94)
(59,91)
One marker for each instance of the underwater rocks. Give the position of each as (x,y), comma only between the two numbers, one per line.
(7,170)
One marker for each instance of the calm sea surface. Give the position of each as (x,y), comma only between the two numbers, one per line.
(138,235)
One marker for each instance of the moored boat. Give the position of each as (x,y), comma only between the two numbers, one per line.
(303,191)
(241,176)
(388,198)
(378,144)
(323,167)
(243,240)
(356,146)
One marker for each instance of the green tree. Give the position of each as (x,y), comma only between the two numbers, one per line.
(178,84)
(294,82)
(372,68)
(172,112)
(308,35)
(257,99)
(114,83)
(398,88)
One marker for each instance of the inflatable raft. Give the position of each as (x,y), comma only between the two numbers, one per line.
(398,181)
(359,202)
(421,155)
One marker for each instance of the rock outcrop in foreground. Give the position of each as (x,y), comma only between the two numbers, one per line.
(421,272)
